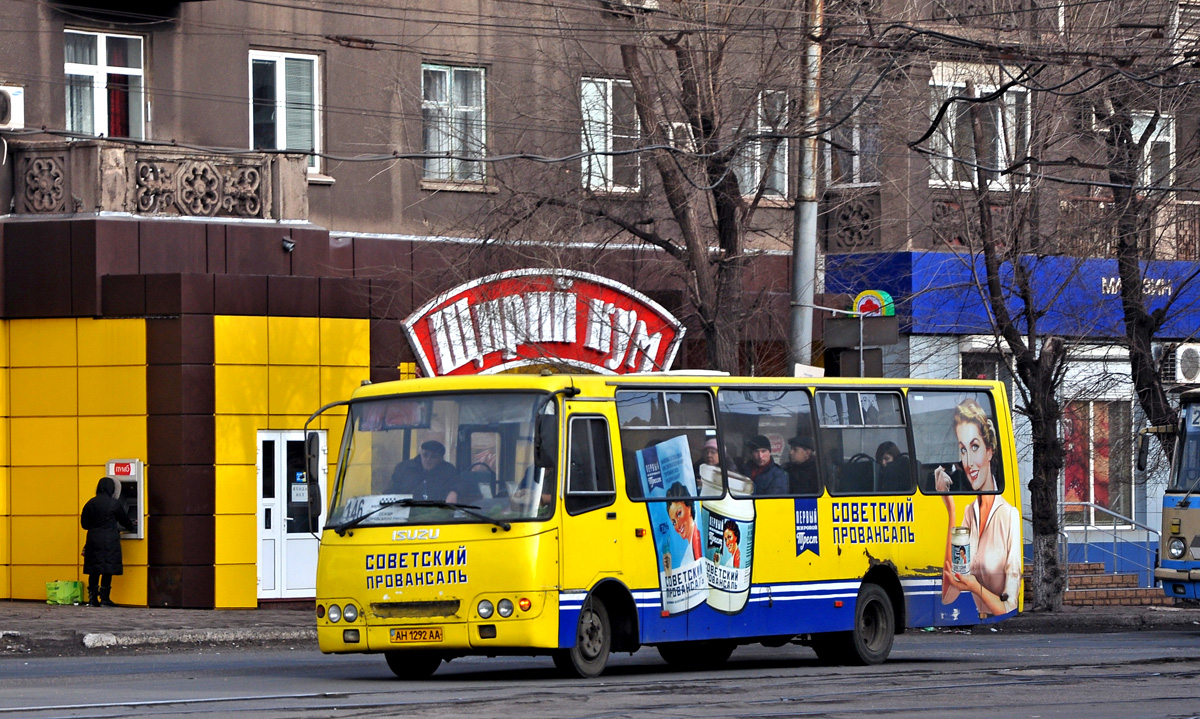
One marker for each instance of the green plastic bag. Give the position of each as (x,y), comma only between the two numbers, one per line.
(64,592)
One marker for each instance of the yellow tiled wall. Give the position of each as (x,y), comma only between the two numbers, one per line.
(72,396)
(271,373)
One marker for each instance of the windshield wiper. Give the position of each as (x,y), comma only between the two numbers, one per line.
(465,508)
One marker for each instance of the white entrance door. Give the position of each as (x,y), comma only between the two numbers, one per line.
(287,554)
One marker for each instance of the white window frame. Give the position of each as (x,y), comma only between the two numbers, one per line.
(449,169)
(98,73)
(748,164)
(944,163)
(598,136)
(865,111)
(1164,131)
(282,106)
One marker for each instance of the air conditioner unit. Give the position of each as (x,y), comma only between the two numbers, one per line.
(642,5)
(12,107)
(1187,363)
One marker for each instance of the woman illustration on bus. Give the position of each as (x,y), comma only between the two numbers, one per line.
(993,575)
(681,510)
(732,556)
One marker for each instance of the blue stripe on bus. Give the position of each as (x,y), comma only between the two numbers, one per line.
(776,609)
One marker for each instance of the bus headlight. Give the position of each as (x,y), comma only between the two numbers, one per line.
(1175,549)
(350,613)
(335,613)
(485,609)
(505,608)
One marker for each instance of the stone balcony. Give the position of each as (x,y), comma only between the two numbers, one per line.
(103,176)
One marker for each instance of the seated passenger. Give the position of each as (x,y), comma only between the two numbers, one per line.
(768,477)
(893,468)
(427,476)
(802,466)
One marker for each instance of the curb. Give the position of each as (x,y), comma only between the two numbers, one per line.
(104,640)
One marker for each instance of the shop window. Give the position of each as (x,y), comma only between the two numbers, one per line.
(1098,463)
(987,365)
(104,84)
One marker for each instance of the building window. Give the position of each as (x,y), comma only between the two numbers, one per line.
(105,84)
(1005,129)
(1098,468)
(852,155)
(452,123)
(987,365)
(284,108)
(763,162)
(1157,161)
(610,125)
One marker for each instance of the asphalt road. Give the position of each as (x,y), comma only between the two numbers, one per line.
(1137,674)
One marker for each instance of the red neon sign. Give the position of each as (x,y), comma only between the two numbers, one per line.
(532,317)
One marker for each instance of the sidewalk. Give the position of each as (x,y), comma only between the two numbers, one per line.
(37,629)
(30,628)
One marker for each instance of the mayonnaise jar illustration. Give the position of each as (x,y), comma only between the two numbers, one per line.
(728,532)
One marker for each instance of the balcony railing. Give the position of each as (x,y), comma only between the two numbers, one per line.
(103,176)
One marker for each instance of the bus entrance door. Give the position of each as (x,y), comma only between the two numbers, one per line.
(590,544)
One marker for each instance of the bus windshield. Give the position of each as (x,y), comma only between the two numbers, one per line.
(454,457)
(1186,476)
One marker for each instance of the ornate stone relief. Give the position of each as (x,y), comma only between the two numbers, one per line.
(198,188)
(853,222)
(42,184)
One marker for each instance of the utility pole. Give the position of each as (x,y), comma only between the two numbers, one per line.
(804,226)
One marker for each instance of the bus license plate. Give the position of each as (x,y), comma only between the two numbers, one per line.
(416,634)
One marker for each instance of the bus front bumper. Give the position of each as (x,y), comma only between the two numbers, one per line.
(1179,583)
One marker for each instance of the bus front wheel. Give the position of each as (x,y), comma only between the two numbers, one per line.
(413,664)
(593,639)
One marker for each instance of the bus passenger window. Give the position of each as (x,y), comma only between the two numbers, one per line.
(772,430)
(590,482)
(648,417)
(866,438)
(955,442)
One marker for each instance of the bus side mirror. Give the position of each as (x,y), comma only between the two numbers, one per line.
(312,468)
(1143,450)
(545,445)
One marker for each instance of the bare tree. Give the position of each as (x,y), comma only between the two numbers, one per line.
(685,124)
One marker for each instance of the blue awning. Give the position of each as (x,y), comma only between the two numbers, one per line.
(946,293)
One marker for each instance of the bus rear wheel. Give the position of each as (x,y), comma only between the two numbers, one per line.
(413,665)
(696,655)
(870,642)
(874,626)
(593,640)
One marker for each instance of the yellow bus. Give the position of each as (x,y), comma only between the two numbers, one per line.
(576,516)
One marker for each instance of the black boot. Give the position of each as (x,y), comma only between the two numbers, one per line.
(104,600)
(93,597)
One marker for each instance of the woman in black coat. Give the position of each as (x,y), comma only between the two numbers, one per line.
(103,518)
